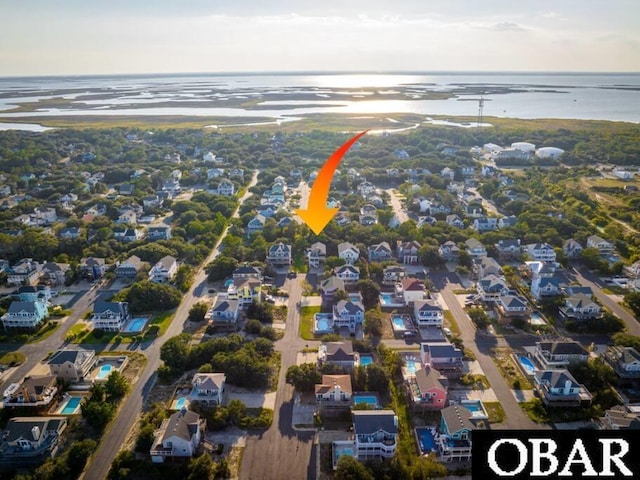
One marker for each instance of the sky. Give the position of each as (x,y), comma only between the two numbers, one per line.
(41,37)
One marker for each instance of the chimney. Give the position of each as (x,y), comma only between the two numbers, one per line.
(35,431)
(567,387)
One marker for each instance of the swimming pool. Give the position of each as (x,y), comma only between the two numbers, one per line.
(368,399)
(365,360)
(537,319)
(385,299)
(412,366)
(425,440)
(527,364)
(181,402)
(342,448)
(398,323)
(104,372)
(71,406)
(135,325)
(323,323)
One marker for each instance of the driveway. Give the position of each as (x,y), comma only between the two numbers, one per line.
(251,399)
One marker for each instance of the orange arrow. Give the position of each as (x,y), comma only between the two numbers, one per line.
(317,215)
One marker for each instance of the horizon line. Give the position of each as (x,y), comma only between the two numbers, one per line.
(326,72)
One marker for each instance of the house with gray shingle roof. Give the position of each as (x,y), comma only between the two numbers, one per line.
(225,312)
(558,388)
(178,436)
(348,313)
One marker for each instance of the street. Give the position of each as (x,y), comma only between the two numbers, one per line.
(396,204)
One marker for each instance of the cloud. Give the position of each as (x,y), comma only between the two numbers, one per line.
(507,27)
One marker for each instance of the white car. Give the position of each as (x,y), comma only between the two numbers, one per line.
(446,331)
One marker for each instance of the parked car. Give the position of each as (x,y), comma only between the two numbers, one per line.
(409,334)
(446,331)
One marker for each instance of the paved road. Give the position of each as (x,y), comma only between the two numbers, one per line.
(283,452)
(480,345)
(396,204)
(488,206)
(588,279)
(114,438)
(304,190)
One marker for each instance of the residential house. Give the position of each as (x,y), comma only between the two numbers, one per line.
(214,173)
(25,272)
(380,252)
(448,173)
(475,248)
(508,249)
(367,219)
(226,188)
(594,241)
(126,189)
(580,307)
(92,267)
(449,251)
(342,219)
(484,266)
(455,221)
(366,188)
(316,255)
(375,433)
(429,389)
(558,388)
(151,202)
(506,222)
(334,390)
(407,252)
(348,252)
(69,233)
(209,157)
(256,224)
(246,291)
(621,417)
(171,186)
(73,365)
(26,315)
(576,289)
(37,392)
(329,287)
(393,274)
(559,354)
(130,268)
(413,290)
(208,388)
(162,232)
(485,224)
(110,316)
(428,220)
(545,287)
(31,293)
(236,173)
(132,235)
(284,222)
(491,287)
(164,270)
(347,273)
(572,249)
(279,255)
(178,436)
(225,312)
(475,211)
(454,439)
(28,441)
(443,356)
(625,362)
(55,273)
(540,252)
(511,305)
(348,313)
(339,353)
(246,271)
(427,314)
(633,270)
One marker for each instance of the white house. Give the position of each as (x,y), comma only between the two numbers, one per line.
(347,273)
(164,270)
(559,354)
(594,241)
(572,249)
(226,188)
(110,316)
(208,388)
(348,252)
(541,252)
(560,388)
(334,389)
(225,312)
(475,248)
(178,436)
(427,314)
(375,433)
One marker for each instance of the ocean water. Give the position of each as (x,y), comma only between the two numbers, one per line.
(283,96)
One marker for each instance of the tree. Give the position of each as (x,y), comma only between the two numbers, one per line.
(222,267)
(264,347)
(148,296)
(78,455)
(202,468)
(370,293)
(175,352)
(303,377)
(632,299)
(340,294)
(351,469)
(198,312)
(116,386)
(253,327)
(373,322)
(377,379)
(184,277)
(426,468)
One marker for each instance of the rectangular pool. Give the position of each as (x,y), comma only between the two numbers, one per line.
(135,325)
(323,323)
(71,406)
(426,439)
(342,448)
(365,360)
(412,366)
(368,399)
(398,323)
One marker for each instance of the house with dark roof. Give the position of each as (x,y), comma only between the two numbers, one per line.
(427,313)
(545,287)
(511,305)
(246,271)
(540,252)
(26,315)
(509,248)
(225,312)
(246,291)
(316,255)
(375,433)
(347,273)
(25,272)
(37,392)
(339,353)
(329,287)
(69,233)
(558,388)
(33,293)
(407,252)
(348,313)
(484,266)
(580,307)
(429,389)
(162,232)
(449,251)
(491,287)
(55,273)
(279,255)
(178,436)
(559,353)
(164,270)
(28,441)
(625,362)
(73,365)
(348,252)
(572,249)
(380,252)
(454,438)
(110,316)
(92,267)
(256,224)
(443,356)
(129,269)
(208,388)
(393,274)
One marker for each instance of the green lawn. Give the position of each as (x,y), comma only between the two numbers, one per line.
(495,411)
(16,358)
(450,322)
(163,320)
(306,322)
(509,370)
(45,332)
